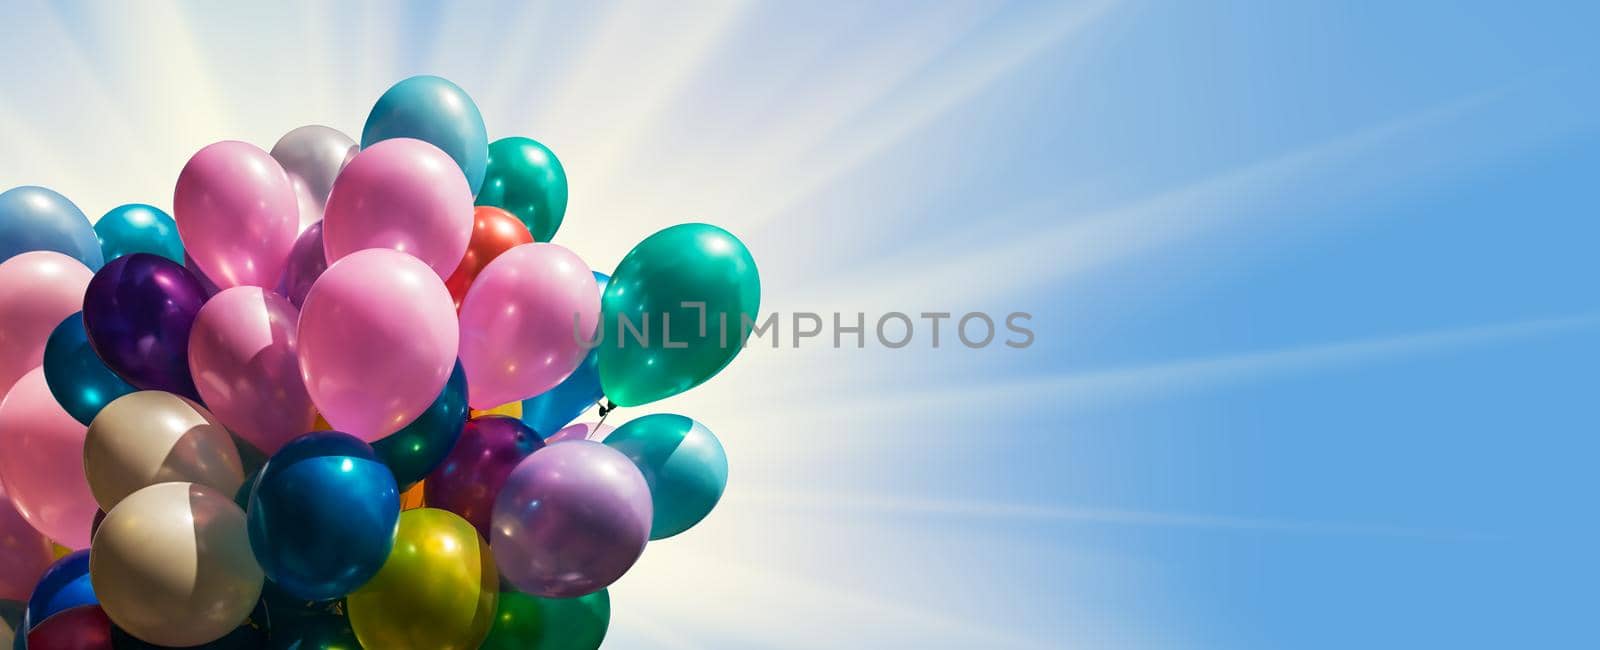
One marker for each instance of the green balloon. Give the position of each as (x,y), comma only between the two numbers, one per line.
(524,622)
(525,179)
(683,463)
(675,312)
(416,449)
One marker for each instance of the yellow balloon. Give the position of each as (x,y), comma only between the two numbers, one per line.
(59,551)
(438,589)
(511,409)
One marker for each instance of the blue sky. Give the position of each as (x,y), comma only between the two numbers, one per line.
(1314,286)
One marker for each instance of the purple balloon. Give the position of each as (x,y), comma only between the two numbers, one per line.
(138,311)
(200,276)
(571,519)
(306,263)
(467,481)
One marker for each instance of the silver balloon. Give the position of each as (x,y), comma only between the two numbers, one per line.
(171,565)
(313,156)
(151,437)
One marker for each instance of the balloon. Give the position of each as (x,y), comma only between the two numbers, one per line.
(238,214)
(42,462)
(305,264)
(470,477)
(24,553)
(522,322)
(700,285)
(194,269)
(437,590)
(243,354)
(138,311)
(435,111)
(414,498)
(80,382)
(153,437)
(508,409)
(322,515)
(415,450)
(571,519)
(38,219)
(553,409)
(37,291)
(313,629)
(401,194)
(582,431)
(378,340)
(682,461)
(494,231)
(312,157)
(79,628)
(63,586)
(525,178)
(172,565)
(138,228)
(524,622)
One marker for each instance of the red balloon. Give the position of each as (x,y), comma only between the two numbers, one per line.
(85,627)
(494,231)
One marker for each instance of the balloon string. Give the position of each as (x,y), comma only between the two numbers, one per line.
(606,407)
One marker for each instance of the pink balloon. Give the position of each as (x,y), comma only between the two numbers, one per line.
(378,338)
(402,194)
(519,337)
(42,465)
(38,290)
(581,431)
(237,214)
(243,356)
(24,553)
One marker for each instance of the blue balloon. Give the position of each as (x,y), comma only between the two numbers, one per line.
(547,412)
(78,379)
(63,586)
(322,515)
(38,219)
(435,111)
(138,228)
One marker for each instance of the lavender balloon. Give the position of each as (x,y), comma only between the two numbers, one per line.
(306,263)
(571,519)
(467,481)
(138,310)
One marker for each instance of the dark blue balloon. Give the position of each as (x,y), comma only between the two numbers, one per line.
(435,111)
(322,515)
(38,219)
(416,449)
(80,382)
(138,311)
(138,228)
(547,412)
(63,586)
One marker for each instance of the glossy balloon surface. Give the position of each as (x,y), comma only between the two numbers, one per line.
(494,231)
(312,156)
(38,290)
(437,590)
(418,448)
(78,379)
(24,552)
(436,111)
(525,323)
(470,477)
(79,628)
(41,463)
(39,219)
(63,586)
(525,178)
(402,195)
(138,228)
(553,409)
(138,311)
(237,212)
(244,357)
(151,437)
(682,461)
(524,622)
(306,263)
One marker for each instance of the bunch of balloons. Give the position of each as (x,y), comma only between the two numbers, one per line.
(329,402)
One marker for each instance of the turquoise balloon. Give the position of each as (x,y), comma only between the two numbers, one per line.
(435,111)
(38,219)
(138,228)
(80,382)
(682,462)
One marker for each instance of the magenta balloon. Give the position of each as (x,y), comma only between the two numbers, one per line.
(522,321)
(243,356)
(42,465)
(402,194)
(378,338)
(24,552)
(571,519)
(237,214)
(581,431)
(38,290)
(306,263)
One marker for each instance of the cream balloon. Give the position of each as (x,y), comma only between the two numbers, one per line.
(313,156)
(151,437)
(171,565)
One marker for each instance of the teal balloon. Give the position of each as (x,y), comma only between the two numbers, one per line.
(38,219)
(415,450)
(659,290)
(435,111)
(138,228)
(525,622)
(78,379)
(682,462)
(526,179)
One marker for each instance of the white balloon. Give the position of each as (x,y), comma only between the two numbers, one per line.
(151,437)
(313,156)
(171,565)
